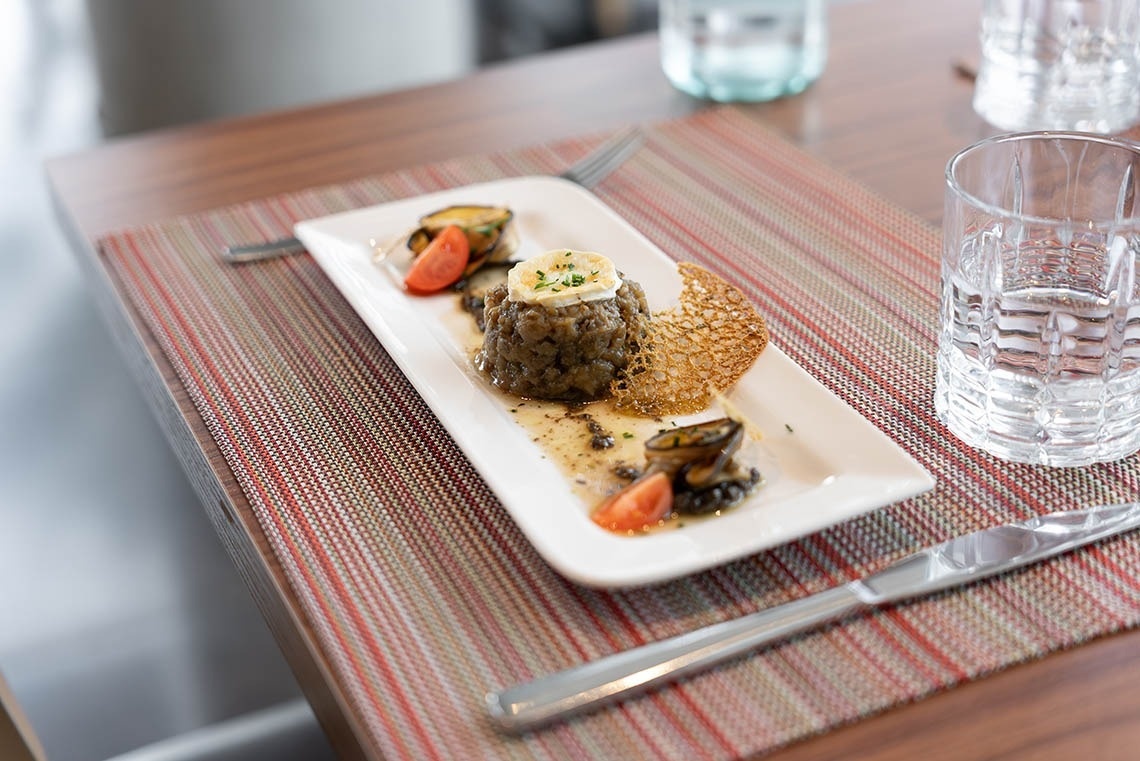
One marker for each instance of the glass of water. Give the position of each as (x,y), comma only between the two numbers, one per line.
(1060,64)
(1039,349)
(743,50)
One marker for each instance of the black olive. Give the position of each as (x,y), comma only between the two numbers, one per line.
(709,499)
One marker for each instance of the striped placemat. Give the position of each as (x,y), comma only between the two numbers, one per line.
(422,592)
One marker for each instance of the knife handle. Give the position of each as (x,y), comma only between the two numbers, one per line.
(594,684)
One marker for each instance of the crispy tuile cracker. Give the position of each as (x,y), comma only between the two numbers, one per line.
(694,351)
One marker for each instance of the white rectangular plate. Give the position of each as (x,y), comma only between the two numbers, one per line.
(827,463)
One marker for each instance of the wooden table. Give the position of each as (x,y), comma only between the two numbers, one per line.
(889,111)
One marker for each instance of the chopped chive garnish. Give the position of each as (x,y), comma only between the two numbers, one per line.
(568,280)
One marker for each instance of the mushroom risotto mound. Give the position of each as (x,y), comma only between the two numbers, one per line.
(566,327)
(566,353)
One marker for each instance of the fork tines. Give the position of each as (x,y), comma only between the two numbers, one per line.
(596,166)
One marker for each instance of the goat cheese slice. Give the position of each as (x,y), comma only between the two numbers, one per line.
(562,277)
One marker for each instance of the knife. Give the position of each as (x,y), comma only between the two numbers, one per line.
(953,563)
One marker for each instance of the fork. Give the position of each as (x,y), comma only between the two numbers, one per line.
(587,172)
(611,154)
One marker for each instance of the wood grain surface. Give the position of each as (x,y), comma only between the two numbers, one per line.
(889,110)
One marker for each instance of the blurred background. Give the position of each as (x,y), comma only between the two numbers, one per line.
(122,620)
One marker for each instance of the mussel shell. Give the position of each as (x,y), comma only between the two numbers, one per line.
(712,442)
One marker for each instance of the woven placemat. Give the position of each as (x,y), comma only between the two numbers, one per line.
(423,593)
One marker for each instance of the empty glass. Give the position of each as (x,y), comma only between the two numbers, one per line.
(1039,350)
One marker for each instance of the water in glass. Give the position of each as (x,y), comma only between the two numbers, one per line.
(1049,371)
(743,50)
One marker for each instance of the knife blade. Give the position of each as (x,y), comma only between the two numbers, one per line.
(962,560)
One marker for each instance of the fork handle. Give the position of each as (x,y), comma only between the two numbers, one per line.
(268,250)
(594,684)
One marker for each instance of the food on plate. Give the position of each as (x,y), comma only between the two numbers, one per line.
(700,458)
(564,327)
(563,277)
(473,289)
(694,351)
(491,233)
(565,330)
(690,470)
(644,503)
(441,264)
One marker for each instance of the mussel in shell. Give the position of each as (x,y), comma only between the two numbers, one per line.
(705,448)
(698,458)
(490,230)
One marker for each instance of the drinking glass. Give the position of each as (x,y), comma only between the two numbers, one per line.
(1060,64)
(1039,349)
(743,50)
